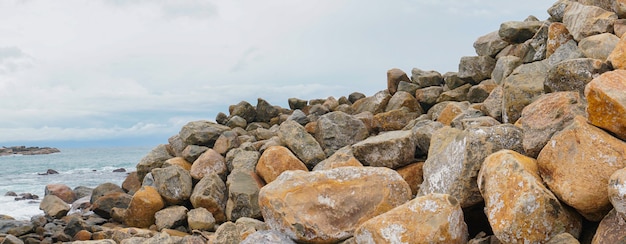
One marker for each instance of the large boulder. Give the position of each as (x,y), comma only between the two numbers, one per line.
(392,149)
(518,31)
(606,97)
(617,194)
(394,120)
(598,46)
(173,183)
(517,204)
(144,204)
(573,74)
(210,162)
(154,159)
(200,219)
(455,157)
(612,229)
(426,78)
(62,191)
(434,218)
(338,129)
(105,204)
(557,36)
(301,143)
(476,68)
(54,206)
(104,189)
(210,193)
(489,44)
(374,104)
(521,88)
(341,158)
(576,165)
(423,132)
(394,76)
(584,20)
(265,111)
(201,132)
(326,206)
(244,110)
(403,100)
(275,160)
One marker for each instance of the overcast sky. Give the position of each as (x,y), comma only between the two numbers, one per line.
(135,71)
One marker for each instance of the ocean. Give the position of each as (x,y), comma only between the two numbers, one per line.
(76,166)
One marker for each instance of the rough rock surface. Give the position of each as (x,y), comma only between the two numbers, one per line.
(275,160)
(54,206)
(210,162)
(617,191)
(173,183)
(391,149)
(341,158)
(338,129)
(144,204)
(612,229)
(607,102)
(584,20)
(210,193)
(617,58)
(301,143)
(154,159)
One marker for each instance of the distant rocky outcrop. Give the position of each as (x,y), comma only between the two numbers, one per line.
(23,150)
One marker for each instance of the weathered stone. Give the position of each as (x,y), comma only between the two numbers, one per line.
(210,193)
(394,119)
(105,204)
(267,237)
(226,141)
(104,189)
(476,68)
(563,238)
(492,106)
(242,160)
(341,158)
(154,159)
(612,229)
(355,96)
(176,145)
(408,87)
(276,160)
(221,118)
(244,110)
(426,78)
(567,50)
(177,161)
(248,226)
(227,233)
(148,180)
(173,183)
(547,115)
(338,129)
(171,217)
(434,218)
(394,76)
(427,97)
(457,94)
(403,99)
(573,74)
(301,143)
(236,122)
(243,194)
(518,31)
(413,174)
(201,132)
(606,97)
(489,44)
(598,46)
(210,162)
(537,46)
(617,192)
(131,184)
(299,117)
(576,165)
(516,199)
(62,191)
(296,103)
(450,111)
(455,157)
(374,104)
(521,88)
(54,206)
(480,92)
(452,80)
(192,152)
(465,114)
(392,149)
(265,111)
(617,58)
(200,219)
(619,26)
(144,204)
(482,121)
(326,206)
(583,20)
(557,10)
(557,36)
(423,132)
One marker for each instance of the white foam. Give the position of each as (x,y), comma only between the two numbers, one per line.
(20,210)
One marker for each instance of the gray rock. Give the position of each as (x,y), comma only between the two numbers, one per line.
(468,113)
(598,46)
(11,239)
(104,189)
(236,122)
(423,132)
(338,129)
(568,50)
(244,110)
(426,78)
(154,159)
(482,121)
(148,180)
(573,74)
(296,103)
(171,217)
(403,100)
(394,76)
(455,157)
(105,204)
(374,104)
(192,152)
(82,191)
(227,233)
(210,193)
(54,207)
(504,67)
(408,87)
(173,183)
(265,111)
(201,132)
(521,88)
(299,117)
(480,92)
(200,219)
(518,31)
(243,195)
(176,145)
(427,97)
(537,45)
(457,94)
(392,149)
(221,118)
(452,80)
(226,141)
(355,96)
(557,10)
(394,120)
(489,44)
(242,160)
(583,20)
(301,143)
(476,68)
(267,237)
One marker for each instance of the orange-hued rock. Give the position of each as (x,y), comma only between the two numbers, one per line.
(394,76)
(145,203)
(612,229)
(434,218)
(210,162)
(413,174)
(617,191)
(606,97)
(617,58)
(62,191)
(517,204)
(450,112)
(576,165)
(180,161)
(341,158)
(131,184)
(326,206)
(276,160)
(557,35)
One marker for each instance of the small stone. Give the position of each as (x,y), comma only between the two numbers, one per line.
(175,145)
(200,219)
(171,217)
(606,97)
(394,76)
(275,160)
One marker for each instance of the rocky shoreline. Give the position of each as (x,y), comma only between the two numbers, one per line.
(23,150)
(524,144)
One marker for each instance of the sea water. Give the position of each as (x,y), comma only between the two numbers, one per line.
(76,166)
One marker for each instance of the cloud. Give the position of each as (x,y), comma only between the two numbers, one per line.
(13,59)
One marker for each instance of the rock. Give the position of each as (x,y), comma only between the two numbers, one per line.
(392,149)
(583,20)
(547,115)
(243,194)
(394,119)
(617,58)
(489,44)
(200,219)
(456,156)
(327,206)
(192,152)
(210,193)
(403,100)
(355,96)
(171,217)
(267,237)
(131,184)
(226,141)
(394,76)
(244,110)
(62,191)
(573,74)
(413,174)
(201,133)
(516,199)
(177,161)
(518,31)
(452,80)
(227,233)
(242,160)
(265,111)
(469,113)
(476,68)
(407,87)
(598,46)
(563,238)
(521,88)
(616,193)
(105,204)
(457,94)
(299,117)
(11,239)
(104,189)
(221,118)
(537,46)
(435,218)
(374,104)
(492,106)
(210,162)
(607,102)
(557,10)
(567,50)
(54,206)
(619,26)
(301,143)
(480,92)
(296,103)
(154,159)
(426,78)
(275,160)
(338,129)
(612,229)
(450,111)
(142,208)
(423,132)
(427,97)
(148,180)
(577,163)
(557,36)
(83,191)
(341,158)
(173,183)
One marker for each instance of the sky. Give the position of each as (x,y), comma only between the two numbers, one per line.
(133,72)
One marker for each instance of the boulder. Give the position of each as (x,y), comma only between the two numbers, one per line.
(173,183)
(557,10)
(492,106)
(374,104)
(520,88)
(275,160)
(473,122)
(244,110)
(104,189)
(619,26)
(210,162)
(617,58)
(226,141)
(489,44)
(606,99)
(394,76)
(584,20)
(547,115)
(392,120)
(341,158)
(518,31)
(62,191)
(175,145)
(338,129)
(426,78)
(265,111)
(171,217)
(612,229)
(617,192)
(573,74)
(242,160)
(326,206)
(456,156)
(480,92)
(301,143)
(413,174)
(200,219)
(423,132)
(243,195)
(296,103)
(452,80)
(598,46)
(201,132)
(427,97)
(192,152)
(267,237)
(557,36)
(403,100)
(476,68)
(450,111)
(83,191)
(144,204)
(54,206)
(457,94)
(407,87)
(299,117)
(105,204)
(227,233)
(392,149)
(516,199)
(567,50)
(154,159)
(576,165)
(177,161)
(563,238)
(210,193)
(434,218)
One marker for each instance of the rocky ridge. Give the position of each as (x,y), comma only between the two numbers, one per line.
(23,150)
(524,144)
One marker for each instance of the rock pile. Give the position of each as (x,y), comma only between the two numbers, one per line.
(524,144)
